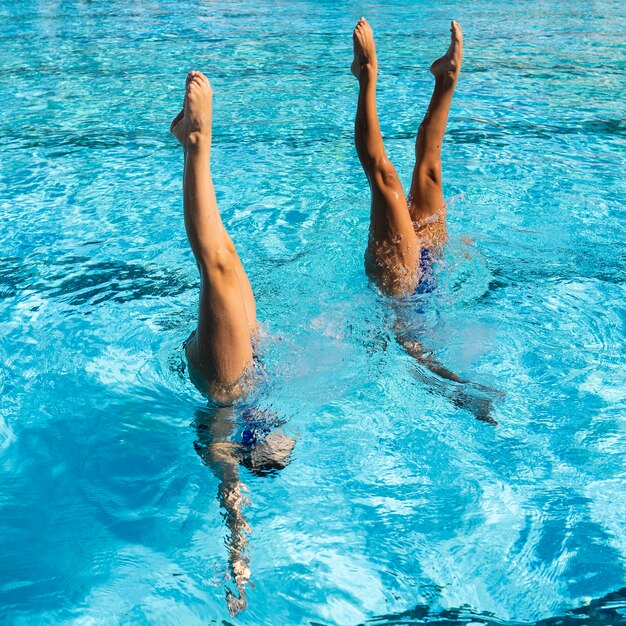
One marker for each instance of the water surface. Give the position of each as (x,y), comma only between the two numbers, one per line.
(398,506)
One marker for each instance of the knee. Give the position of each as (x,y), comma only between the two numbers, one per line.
(430,173)
(383,173)
(217,264)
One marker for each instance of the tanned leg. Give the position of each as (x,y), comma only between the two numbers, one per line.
(428,212)
(221,348)
(392,252)
(426,196)
(245,286)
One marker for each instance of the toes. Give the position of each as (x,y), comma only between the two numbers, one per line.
(202,78)
(190,79)
(364,30)
(198,80)
(194,77)
(194,84)
(455,29)
(359,25)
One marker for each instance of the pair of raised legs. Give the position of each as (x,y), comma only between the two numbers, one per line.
(405,234)
(220,350)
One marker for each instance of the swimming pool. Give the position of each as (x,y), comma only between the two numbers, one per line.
(397,506)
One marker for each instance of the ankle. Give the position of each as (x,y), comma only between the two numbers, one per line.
(198,141)
(368,71)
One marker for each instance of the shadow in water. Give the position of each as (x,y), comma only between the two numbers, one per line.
(79,281)
(610,610)
(228,438)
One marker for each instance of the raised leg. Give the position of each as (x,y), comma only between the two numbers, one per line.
(392,252)
(220,350)
(426,196)
(244,284)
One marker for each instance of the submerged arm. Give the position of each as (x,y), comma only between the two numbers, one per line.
(416,350)
(225,465)
(475,398)
(223,458)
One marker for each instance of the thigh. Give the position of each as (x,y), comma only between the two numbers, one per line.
(222,349)
(428,208)
(244,285)
(393,250)
(389,212)
(426,195)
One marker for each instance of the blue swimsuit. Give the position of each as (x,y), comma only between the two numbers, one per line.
(258,425)
(428,279)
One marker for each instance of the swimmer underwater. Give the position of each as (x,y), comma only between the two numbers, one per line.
(220,350)
(407,234)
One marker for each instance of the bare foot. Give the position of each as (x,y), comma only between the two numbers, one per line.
(364,49)
(448,67)
(193,124)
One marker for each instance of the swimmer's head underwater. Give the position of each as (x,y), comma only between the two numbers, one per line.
(270,455)
(260,445)
(265,447)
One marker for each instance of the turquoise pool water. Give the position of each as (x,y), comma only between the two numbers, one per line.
(397,506)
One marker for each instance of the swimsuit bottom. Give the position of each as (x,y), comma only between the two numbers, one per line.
(428,279)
